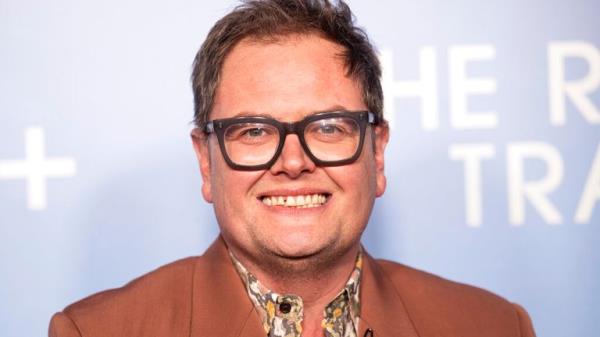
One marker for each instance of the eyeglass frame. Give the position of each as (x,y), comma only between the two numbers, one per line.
(218,127)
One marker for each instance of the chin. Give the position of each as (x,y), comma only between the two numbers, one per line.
(303,243)
(297,252)
(302,248)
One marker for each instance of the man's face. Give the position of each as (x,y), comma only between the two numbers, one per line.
(288,80)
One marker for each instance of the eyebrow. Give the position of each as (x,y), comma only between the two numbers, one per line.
(334,108)
(252,114)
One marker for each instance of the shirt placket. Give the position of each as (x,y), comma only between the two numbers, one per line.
(288,315)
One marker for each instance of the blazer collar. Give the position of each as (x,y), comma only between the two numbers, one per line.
(383,310)
(221,306)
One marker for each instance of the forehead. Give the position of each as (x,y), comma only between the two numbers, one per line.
(288,78)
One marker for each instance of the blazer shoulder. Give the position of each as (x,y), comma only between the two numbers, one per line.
(61,325)
(150,302)
(423,283)
(429,298)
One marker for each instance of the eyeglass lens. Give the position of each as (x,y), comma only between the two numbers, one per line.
(329,139)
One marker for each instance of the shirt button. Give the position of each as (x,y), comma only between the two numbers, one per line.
(285,307)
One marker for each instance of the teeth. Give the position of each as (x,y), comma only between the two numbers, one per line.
(299,201)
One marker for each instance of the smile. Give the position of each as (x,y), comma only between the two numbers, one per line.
(298,201)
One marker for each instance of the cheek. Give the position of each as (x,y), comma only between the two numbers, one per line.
(220,178)
(231,209)
(358,180)
(367,175)
(231,190)
(225,186)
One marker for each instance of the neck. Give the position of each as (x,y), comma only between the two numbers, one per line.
(316,279)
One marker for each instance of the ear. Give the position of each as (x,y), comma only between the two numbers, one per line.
(382,136)
(200,142)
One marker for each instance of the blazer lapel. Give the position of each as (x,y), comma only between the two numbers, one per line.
(382,308)
(221,307)
(220,304)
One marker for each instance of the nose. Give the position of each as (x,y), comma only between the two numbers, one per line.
(293,160)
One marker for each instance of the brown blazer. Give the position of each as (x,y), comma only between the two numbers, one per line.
(204,296)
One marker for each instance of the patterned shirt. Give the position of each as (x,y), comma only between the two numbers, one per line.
(282,314)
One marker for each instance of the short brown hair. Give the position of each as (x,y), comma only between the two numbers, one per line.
(270,19)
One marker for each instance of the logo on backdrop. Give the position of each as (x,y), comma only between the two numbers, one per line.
(560,91)
(35,168)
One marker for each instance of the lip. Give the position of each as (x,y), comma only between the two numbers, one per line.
(294,211)
(294,192)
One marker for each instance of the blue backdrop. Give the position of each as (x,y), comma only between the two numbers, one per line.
(493,166)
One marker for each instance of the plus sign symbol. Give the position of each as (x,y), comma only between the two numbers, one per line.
(36,168)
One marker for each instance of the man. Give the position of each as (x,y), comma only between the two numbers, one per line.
(290,140)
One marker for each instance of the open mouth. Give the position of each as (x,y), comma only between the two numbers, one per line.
(297,201)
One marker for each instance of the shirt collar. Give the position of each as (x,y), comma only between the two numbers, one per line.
(282,315)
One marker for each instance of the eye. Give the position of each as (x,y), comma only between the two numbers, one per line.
(333,128)
(255,132)
(329,129)
(249,131)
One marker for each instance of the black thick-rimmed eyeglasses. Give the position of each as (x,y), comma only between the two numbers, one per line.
(255,143)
